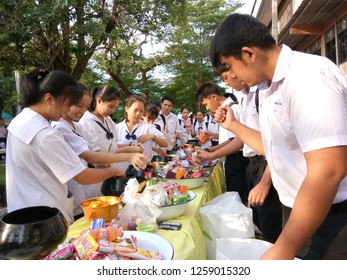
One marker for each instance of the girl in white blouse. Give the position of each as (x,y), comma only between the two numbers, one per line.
(134,130)
(70,128)
(98,127)
(39,162)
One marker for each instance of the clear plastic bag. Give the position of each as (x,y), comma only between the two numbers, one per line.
(137,209)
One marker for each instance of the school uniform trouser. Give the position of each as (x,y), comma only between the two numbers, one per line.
(235,174)
(267,217)
(329,242)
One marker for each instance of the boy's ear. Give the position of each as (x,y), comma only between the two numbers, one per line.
(248,53)
(214,96)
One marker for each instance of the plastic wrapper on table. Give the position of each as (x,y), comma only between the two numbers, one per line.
(223,217)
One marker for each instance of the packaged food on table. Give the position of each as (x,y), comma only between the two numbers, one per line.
(63,252)
(109,233)
(85,245)
(127,247)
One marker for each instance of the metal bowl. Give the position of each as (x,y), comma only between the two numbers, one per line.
(32,232)
(101,207)
(173,211)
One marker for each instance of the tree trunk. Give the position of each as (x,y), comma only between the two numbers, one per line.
(121,84)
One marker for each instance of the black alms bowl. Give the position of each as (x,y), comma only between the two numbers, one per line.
(32,232)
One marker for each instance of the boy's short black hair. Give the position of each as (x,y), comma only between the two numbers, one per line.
(169,98)
(219,69)
(156,102)
(206,90)
(152,110)
(238,31)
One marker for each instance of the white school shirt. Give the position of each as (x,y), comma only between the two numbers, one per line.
(96,135)
(213,126)
(39,163)
(3,132)
(204,126)
(73,137)
(159,122)
(183,131)
(171,123)
(304,109)
(224,134)
(139,129)
(249,115)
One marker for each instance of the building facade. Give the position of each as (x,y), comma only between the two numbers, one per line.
(311,26)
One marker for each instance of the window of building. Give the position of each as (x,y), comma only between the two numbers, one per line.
(330,45)
(314,48)
(343,46)
(342,39)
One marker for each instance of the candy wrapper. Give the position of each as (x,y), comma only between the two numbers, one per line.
(85,245)
(128,248)
(181,169)
(64,252)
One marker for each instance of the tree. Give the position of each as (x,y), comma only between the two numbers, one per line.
(70,35)
(60,35)
(124,57)
(189,50)
(8,96)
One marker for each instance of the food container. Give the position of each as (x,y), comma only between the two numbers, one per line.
(153,242)
(161,159)
(176,210)
(194,142)
(101,207)
(31,232)
(114,186)
(191,183)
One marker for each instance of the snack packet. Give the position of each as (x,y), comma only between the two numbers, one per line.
(85,245)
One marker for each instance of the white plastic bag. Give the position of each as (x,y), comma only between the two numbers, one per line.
(223,217)
(137,209)
(240,249)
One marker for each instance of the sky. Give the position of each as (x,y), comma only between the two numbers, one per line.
(247,7)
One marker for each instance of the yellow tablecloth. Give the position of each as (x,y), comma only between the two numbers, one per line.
(188,243)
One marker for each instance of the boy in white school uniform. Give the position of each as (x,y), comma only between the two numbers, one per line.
(303,116)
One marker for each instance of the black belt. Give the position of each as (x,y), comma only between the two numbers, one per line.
(236,154)
(257,158)
(338,207)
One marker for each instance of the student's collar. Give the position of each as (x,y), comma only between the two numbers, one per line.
(283,64)
(20,128)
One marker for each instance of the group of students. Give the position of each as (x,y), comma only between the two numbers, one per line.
(285,140)
(300,103)
(179,130)
(64,144)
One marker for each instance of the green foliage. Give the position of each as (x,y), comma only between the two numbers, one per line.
(101,42)
(55,34)
(189,60)
(8,96)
